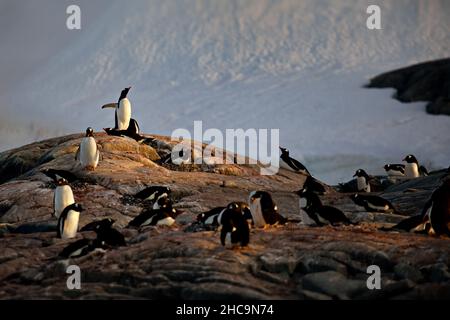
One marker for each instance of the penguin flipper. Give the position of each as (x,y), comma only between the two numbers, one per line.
(407,224)
(223,236)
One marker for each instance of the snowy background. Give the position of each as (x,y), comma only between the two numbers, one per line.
(296,65)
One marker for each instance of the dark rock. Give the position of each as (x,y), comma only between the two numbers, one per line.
(428,81)
(407,271)
(333,284)
(436,272)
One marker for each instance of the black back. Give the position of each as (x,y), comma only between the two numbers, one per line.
(54,174)
(148,191)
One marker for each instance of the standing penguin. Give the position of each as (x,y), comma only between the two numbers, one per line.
(412,167)
(123,111)
(288,163)
(233,222)
(62,197)
(362,179)
(88,153)
(264,210)
(68,221)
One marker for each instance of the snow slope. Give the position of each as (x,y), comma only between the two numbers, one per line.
(296,65)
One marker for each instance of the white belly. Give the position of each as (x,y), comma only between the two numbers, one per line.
(166,221)
(306,220)
(124,114)
(63,198)
(362,185)
(284,165)
(88,152)
(411,170)
(393,173)
(70,227)
(258,219)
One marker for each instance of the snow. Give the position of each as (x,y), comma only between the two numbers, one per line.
(296,65)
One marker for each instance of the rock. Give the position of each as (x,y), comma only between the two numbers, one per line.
(428,81)
(333,284)
(312,263)
(436,272)
(408,272)
(187,261)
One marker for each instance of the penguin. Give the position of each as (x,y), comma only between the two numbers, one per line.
(264,210)
(152,193)
(155,217)
(362,179)
(123,110)
(313,185)
(88,153)
(395,170)
(81,248)
(373,203)
(62,197)
(288,163)
(412,167)
(211,217)
(234,223)
(437,210)
(319,213)
(94,225)
(108,235)
(58,174)
(68,221)
(131,132)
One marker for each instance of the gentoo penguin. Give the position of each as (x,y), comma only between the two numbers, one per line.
(62,197)
(362,179)
(108,235)
(88,153)
(313,185)
(123,110)
(373,203)
(412,167)
(94,225)
(68,221)
(152,193)
(319,213)
(395,170)
(132,131)
(211,217)
(437,210)
(286,162)
(165,215)
(81,248)
(234,223)
(58,174)
(264,210)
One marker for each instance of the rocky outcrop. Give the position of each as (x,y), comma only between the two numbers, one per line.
(429,81)
(281,262)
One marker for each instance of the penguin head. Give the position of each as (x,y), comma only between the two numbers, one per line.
(361,173)
(355,197)
(387,167)
(302,192)
(124,93)
(89,132)
(233,206)
(62,182)
(284,151)
(411,159)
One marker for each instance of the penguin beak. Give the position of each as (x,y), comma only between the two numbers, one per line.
(355,175)
(110,105)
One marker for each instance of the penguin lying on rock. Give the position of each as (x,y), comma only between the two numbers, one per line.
(319,213)
(107,237)
(210,218)
(373,203)
(165,214)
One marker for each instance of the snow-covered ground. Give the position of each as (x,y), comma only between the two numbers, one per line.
(296,65)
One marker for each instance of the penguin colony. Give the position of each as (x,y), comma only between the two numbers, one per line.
(235,220)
